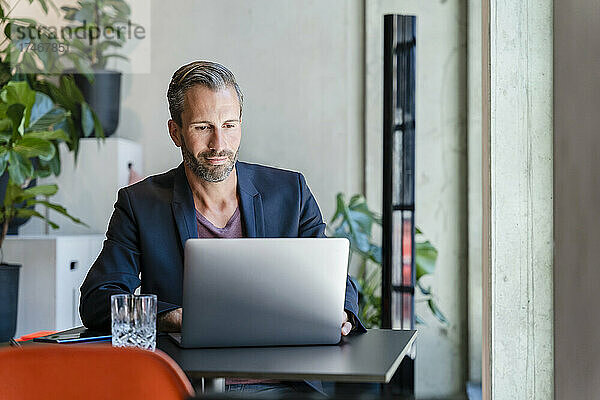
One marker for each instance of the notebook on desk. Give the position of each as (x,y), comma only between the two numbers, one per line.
(79,334)
(263,292)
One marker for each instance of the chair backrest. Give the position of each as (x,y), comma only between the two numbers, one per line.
(90,372)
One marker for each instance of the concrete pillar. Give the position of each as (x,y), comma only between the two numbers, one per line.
(517,196)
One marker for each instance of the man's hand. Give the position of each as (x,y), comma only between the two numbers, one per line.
(170,321)
(346,325)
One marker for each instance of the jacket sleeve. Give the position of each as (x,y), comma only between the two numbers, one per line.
(312,225)
(116,270)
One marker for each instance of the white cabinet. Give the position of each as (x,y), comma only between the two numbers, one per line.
(88,189)
(52,270)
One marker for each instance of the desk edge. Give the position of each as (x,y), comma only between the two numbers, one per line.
(390,372)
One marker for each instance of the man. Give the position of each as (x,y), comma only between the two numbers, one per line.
(210,195)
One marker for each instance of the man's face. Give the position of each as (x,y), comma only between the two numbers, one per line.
(210,132)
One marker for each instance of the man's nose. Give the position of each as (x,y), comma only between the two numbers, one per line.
(217,140)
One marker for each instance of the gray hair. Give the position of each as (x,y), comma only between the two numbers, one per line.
(205,73)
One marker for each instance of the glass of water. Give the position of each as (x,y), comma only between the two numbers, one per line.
(134,320)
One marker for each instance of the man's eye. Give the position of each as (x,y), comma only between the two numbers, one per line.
(230,126)
(200,128)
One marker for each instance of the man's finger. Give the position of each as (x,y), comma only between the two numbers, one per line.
(345,317)
(346,328)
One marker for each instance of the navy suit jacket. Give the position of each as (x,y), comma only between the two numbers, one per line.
(153,218)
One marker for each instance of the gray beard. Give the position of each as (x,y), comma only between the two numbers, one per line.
(209,173)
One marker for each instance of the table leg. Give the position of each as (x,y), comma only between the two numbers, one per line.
(206,385)
(214,385)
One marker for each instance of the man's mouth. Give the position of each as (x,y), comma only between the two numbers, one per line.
(217,160)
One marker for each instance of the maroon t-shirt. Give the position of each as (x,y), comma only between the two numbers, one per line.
(233,229)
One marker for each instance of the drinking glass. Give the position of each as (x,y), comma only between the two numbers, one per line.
(134,320)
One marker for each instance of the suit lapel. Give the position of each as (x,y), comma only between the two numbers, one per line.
(251,204)
(183,207)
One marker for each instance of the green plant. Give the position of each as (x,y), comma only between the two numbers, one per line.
(37,114)
(81,120)
(28,145)
(43,69)
(353,220)
(98,16)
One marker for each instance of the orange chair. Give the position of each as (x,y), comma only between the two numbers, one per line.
(89,372)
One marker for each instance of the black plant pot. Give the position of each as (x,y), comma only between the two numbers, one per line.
(103,96)
(9,295)
(15,223)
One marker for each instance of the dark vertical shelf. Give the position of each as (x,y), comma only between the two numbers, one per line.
(398,262)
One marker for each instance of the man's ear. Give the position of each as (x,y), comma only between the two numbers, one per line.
(174,130)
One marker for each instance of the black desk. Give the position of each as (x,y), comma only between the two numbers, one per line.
(370,357)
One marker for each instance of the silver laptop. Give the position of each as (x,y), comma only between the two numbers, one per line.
(263,292)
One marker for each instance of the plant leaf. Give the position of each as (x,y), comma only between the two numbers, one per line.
(339,200)
(425,291)
(436,311)
(13,191)
(48,135)
(8,30)
(41,190)
(82,65)
(42,171)
(425,258)
(70,89)
(98,130)
(55,163)
(375,254)
(58,208)
(26,212)
(44,114)
(363,220)
(53,166)
(30,147)
(84,14)
(43,104)
(19,168)
(114,55)
(44,6)
(19,93)
(3,159)
(87,120)
(15,114)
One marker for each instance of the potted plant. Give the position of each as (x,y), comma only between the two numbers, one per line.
(353,220)
(28,141)
(37,114)
(42,68)
(100,87)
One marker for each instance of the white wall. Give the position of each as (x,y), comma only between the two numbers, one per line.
(441,175)
(299,64)
(576,199)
